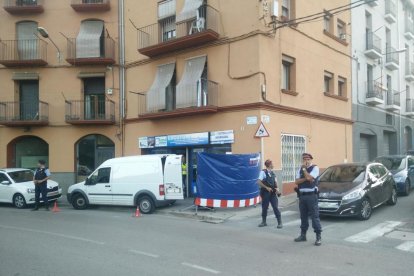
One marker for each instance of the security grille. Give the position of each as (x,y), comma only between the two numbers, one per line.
(292,148)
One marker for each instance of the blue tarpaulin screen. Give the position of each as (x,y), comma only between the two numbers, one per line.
(228,176)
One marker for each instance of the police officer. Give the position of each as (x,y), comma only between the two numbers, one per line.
(308,198)
(269,192)
(40,178)
(184,174)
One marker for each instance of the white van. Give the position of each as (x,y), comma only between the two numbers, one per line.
(147,181)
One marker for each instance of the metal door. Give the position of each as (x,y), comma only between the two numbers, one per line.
(364,154)
(29,100)
(27,40)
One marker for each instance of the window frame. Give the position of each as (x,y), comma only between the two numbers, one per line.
(287,73)
(328,78)
(341,25)
(289,172)
(342,83)
(286,10)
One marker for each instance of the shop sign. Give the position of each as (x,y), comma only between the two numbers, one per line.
(222,137)
(161,141)
(143,142)
(191,139)
(251,120)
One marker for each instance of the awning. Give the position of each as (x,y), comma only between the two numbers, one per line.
(88,41)
(25,76)
(166,9)
(187,89)
(83,75)
(156,94)
(189,10)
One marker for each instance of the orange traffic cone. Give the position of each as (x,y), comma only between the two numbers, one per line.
(55,208)
(137,213)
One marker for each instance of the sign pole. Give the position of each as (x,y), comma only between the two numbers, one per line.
(262,150)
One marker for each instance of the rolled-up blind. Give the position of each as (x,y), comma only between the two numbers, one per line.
(189,10)
(186,93)
(88,41)
(156,94)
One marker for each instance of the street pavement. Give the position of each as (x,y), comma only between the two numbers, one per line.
(110,241)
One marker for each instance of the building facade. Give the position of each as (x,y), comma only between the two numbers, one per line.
(59,85)
(201,76)
(382,78)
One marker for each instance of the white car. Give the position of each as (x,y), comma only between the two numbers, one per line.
(17,187)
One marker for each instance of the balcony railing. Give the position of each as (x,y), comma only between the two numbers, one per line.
(390,11)
(168,35)
(24,113)
(409,106)
(409,71)
(409,28)
(90,112)
(373,45)
(202,97)
(90,5)
(375,93)
(90,52)
(23,6)
(31,52)
(392,58)
(393,100)
(372,3)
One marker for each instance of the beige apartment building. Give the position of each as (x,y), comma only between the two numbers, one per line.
(59,94)
(201,76)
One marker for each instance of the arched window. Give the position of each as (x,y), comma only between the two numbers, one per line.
(25,151)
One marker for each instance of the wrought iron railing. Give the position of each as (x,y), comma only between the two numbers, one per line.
(20,50)
(93,110)
(373,42)
(86,2)
(203,93)
(24,111)
(409,68)
(22,3)
(390,8)
(374,90)
(168,29)
(409,105)
(409,25)
(392,55)
(90,49)
(393,97)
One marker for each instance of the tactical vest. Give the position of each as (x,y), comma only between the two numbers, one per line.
(270,179)
(307,184)
(41,174)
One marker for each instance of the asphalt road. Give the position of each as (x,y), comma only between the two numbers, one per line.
(109,241)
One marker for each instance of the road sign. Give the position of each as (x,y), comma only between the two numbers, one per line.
(261,131)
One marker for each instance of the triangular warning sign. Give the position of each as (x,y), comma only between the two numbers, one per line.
(261,131)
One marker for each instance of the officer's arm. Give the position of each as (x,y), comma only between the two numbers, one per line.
(261,184)
(308,176)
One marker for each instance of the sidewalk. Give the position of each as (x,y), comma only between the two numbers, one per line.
(185,208)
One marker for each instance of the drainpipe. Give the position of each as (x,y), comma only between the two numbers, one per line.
(121,27)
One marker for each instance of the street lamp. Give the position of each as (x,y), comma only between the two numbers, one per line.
(43,32)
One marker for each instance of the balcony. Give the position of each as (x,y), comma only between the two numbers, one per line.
(409,29)
(22,7)
(168,36)
(98,112)
(409,71)
(24,114)
(373,45)
(390,12)
(392,59)
(23,53)
(372,3)
(81,53)
(375,95)
(90,5)
(201,98)
(409,107)
(393,101)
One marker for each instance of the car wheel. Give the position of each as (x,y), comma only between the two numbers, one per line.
(366,209)
(407,187)
(79,202)
(146,205)
(19,201)
(393,198)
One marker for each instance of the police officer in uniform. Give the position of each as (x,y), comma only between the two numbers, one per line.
(40,178)
(184,174)
(269,192)
(308,198)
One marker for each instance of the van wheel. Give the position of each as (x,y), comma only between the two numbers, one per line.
(366,210)
(19,201)
(146,205)
(393,198)
(79,202)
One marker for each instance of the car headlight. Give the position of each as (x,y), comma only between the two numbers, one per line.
(31,191)
(352,195)
(399,179)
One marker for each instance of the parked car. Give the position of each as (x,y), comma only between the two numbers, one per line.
(17,187)
(146,181)
(402,169)
(355,189)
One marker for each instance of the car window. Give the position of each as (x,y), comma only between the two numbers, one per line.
(101,176)
(381,170)
(21,176)
(410,161)
(373,171)
(3,177)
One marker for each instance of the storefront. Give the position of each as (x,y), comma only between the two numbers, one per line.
(189,145)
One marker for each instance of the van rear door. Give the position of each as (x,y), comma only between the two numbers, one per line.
(173,179)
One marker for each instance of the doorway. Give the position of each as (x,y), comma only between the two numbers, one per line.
(29,100)
(94,98)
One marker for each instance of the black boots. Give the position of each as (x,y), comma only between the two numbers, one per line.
(318,241)
(301,238)
(36,208)
(263,224)
(279,223)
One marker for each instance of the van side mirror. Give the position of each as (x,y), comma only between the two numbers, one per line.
(87,181)
(371,179)
(5,182)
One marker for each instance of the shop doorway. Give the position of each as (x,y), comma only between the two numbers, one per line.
(92,151)
(26,151)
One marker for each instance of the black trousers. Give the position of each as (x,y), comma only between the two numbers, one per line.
(41,189)
(308,207)
(273,200)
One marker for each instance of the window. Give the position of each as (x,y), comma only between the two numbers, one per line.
(342,87)
(287,73)
(381,170)
(327,22)
(166,18)
(389,119)
(407,92)
(341,29)
(286,9)
(100,176)
(292,148)
(4,178)
(328,82)
(410,162)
